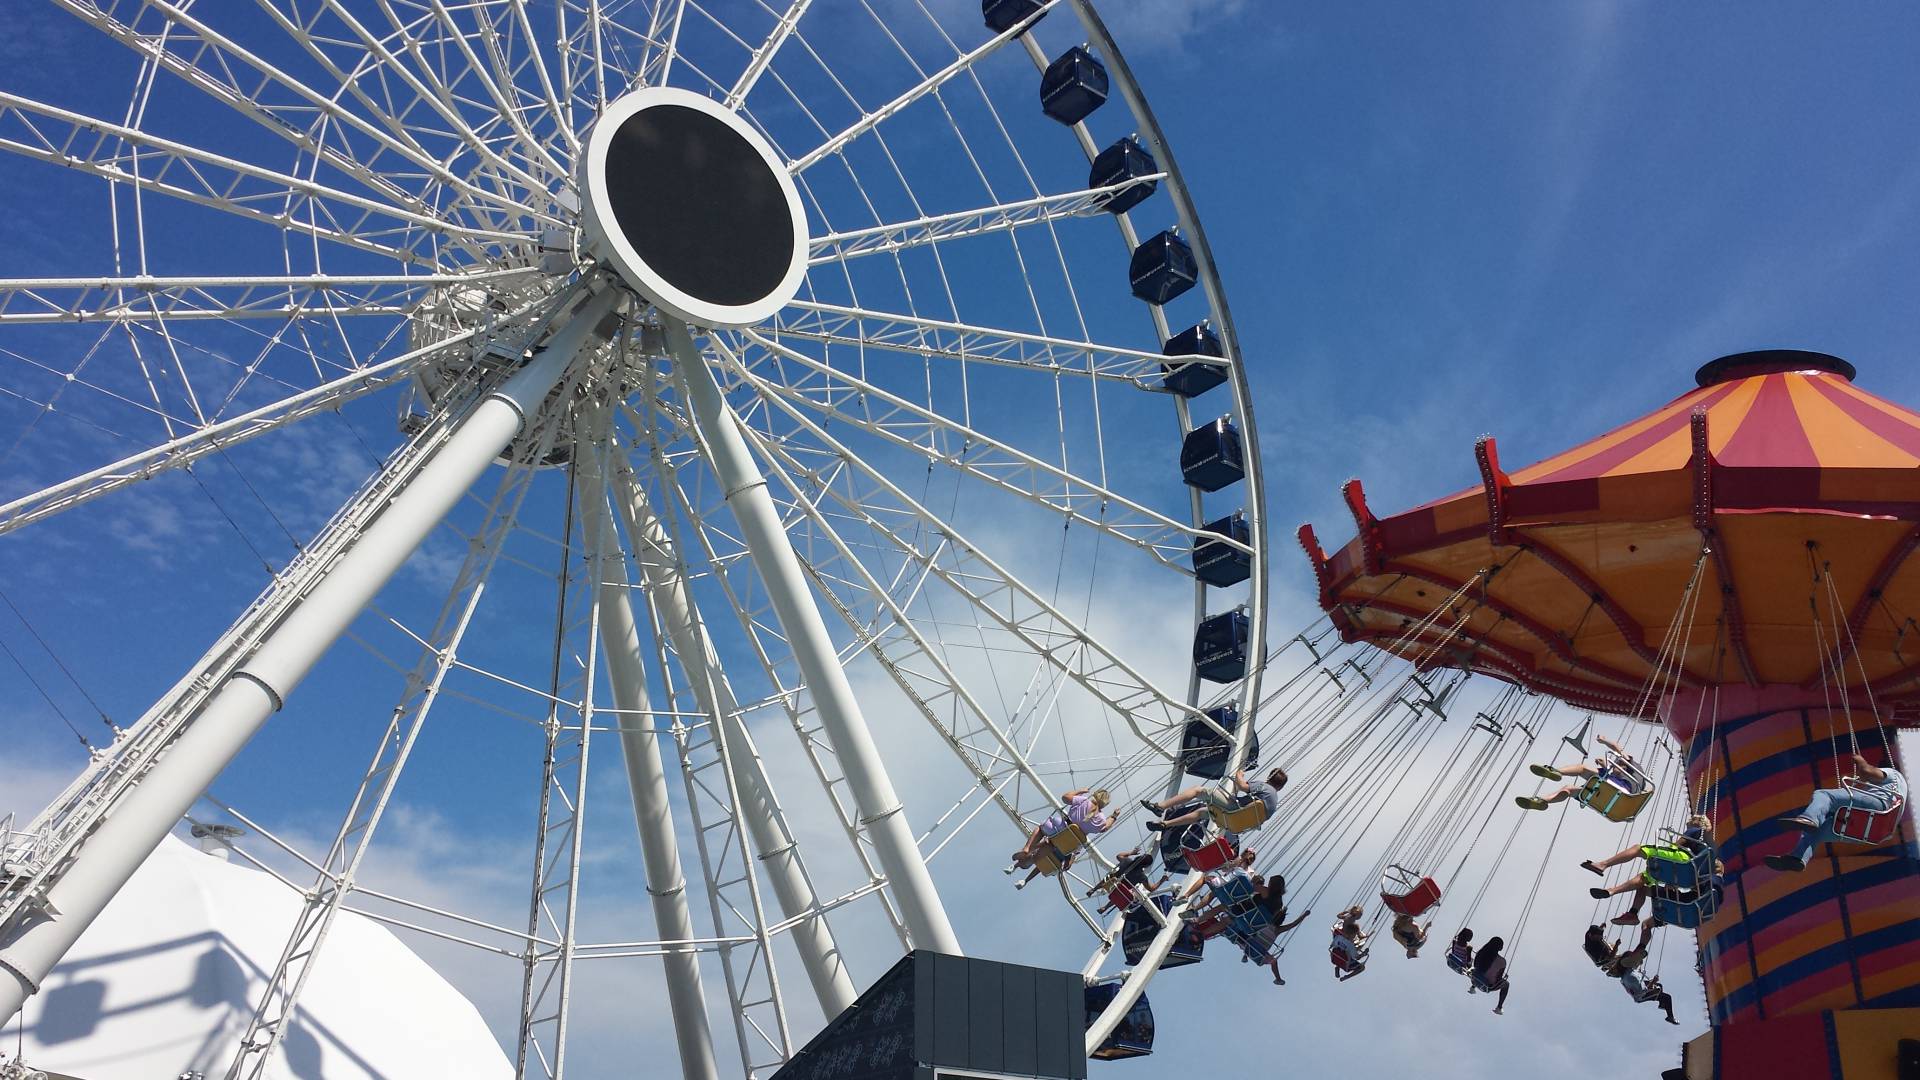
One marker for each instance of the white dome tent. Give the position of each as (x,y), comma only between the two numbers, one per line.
(161,986)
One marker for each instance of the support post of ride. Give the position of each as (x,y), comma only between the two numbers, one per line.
(258,688)
(646,772)
(881,814)
(766,823)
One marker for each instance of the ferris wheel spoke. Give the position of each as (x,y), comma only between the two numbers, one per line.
(914,663)
(210,62)
(118,153)
(1004,217)
(843,399)
(214,437)
(336,876)
(661,540)
(1016,608)
(763,56)
(758,627)
(925,86)
(155,299)
(858,328)
(352,54)
(495,76)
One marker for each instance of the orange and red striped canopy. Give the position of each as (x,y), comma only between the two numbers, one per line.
(1774,478)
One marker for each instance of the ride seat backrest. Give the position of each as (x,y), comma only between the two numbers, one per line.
(1049,861)
(1687,915)
(1495,972)
(1414,901)
(1211,855)
(1672,865)
(1242,818)
(1460,958)
(1613,797)
(1236,890)
(1068,840)
(1866,826)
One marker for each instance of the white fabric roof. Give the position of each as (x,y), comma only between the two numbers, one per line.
(162,983)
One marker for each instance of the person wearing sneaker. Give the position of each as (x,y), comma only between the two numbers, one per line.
(1693,840)
(1235,794)
(1603,767)
(1879,789)
(1641,887)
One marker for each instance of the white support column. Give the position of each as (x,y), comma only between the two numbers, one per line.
(646,775)
(766,822)
(259,687)
(881,814)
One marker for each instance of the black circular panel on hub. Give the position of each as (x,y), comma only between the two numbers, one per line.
(699,205)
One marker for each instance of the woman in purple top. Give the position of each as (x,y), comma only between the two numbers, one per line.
(1082,807)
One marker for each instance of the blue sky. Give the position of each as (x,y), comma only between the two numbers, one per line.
(1432,222)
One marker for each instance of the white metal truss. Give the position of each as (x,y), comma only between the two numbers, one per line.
(398,179)
(274,1010)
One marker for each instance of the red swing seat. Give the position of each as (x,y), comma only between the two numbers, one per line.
(1123,896)
(1406,893)
(1211,855)
(1863,826)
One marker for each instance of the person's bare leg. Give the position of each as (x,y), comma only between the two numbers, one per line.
(1184,796)
(1624,855)
(1501,1005)
(1187,818)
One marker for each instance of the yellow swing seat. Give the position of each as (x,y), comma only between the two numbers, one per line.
(1620,792)
(1054,855)
(1242,818)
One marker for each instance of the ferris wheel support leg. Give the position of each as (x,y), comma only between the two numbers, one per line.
(259,686)
(766,822)
(779,568)
(647,780)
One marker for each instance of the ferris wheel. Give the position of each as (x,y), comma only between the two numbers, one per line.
(738,353)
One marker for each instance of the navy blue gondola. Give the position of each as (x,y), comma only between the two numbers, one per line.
(1123,161)
(1211,456)
(1190,380)
(1220,647)
(1203,751)
(1162,268)
(1133,1036)
(1073,86)
(1221,564)
(1004,15)
(1138,929)
(1177,841)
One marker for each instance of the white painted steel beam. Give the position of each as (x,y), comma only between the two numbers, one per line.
(765,821)
(882,815)
(646,775)
(258,688)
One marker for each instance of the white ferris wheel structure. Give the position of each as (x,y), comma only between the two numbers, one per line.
(742,346)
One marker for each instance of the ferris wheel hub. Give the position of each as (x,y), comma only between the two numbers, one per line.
(692,208)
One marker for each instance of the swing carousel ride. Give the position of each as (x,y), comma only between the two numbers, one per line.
(739,351)
(1734,568)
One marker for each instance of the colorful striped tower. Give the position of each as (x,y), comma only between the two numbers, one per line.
(1808,974)
(1741,558)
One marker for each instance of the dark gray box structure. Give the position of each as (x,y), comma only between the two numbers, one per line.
(954,1017)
